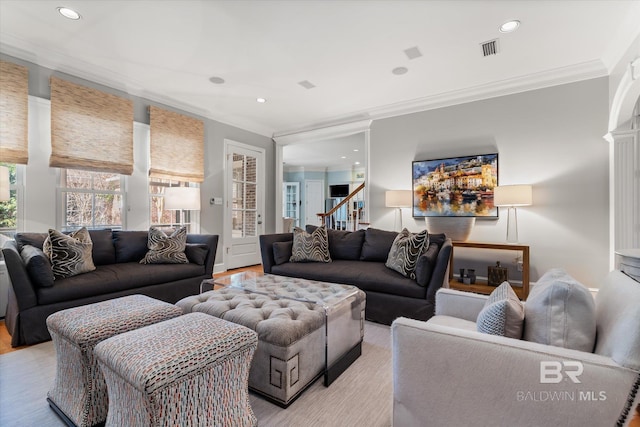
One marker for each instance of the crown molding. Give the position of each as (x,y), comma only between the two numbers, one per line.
(549,78)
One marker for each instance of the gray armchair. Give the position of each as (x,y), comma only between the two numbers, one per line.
(445,373)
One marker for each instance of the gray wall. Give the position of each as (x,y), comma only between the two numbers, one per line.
(40,182)
(550,138)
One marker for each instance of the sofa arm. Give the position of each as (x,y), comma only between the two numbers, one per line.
(23,289)
(211,240)
(460,304)
(266,248)
(440,275)
(447,376)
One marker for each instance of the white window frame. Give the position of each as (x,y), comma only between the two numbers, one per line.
(62,209)
(191,218)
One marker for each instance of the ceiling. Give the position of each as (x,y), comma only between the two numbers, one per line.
(167,51)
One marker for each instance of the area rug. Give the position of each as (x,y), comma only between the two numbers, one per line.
(361,396)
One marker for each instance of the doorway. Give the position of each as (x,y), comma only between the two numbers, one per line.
(244,210)
(314,200)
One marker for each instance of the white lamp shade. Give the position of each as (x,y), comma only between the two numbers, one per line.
(182,198)
(513,195)
(4,184)
(397,198)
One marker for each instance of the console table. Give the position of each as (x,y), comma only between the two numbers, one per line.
(481,286)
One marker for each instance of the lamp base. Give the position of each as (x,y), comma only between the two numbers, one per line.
(512,225)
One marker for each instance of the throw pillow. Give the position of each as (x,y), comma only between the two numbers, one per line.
(405,251)
(560,311)
(70,255)
(130,246)
(165,249)
(502,314)
(312,247)
(343,244)
(38,266)
(282,252)
(196,252)
(427,263)
(33,239)
(377,244)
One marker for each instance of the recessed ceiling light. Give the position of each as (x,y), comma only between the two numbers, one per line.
(343,157)
(216,80)
(355,149)
(261,100)
(509,26)
(399,70)
(69,13)
(356,163)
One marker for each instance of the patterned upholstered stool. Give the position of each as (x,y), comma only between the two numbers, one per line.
(188,371)
(79,393)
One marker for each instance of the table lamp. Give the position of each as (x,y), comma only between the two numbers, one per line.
(512,196)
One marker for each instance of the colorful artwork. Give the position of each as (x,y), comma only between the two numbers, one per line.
(456,186)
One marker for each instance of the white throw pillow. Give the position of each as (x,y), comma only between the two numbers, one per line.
(502,314)
(560,311)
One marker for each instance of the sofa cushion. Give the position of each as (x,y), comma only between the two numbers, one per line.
(377,244)
(71,254)
(343,244)
(282,251)
(165,249)
(103,251)
(32,239)
(368,276)
(502,314)
(38,266)
(312,247)
(560,311)
(130,246)
(106,279)
(427,263)
(405,251)
(196,252)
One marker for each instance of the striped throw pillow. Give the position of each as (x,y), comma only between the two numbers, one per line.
(71,254)
(405,251)
(165,249)
(312,247)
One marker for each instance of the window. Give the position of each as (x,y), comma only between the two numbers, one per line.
(9,208)
(91,199)
(161,217)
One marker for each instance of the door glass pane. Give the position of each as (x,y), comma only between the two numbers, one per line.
(250,196)
(238,193)
(250,224)
(251,169)
(238,167)
(237,226)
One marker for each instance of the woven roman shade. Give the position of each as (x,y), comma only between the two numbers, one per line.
(90,129)
(14,102)
(177,146)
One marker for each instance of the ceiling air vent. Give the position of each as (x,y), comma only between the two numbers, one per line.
(490,47)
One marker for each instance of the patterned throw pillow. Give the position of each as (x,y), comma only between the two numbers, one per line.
(503,313)
(310,247)
(70,255)
(405,251)
(165,249)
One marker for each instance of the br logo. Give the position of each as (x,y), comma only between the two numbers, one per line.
(552,372)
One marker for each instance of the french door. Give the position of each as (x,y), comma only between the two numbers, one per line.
(244,210)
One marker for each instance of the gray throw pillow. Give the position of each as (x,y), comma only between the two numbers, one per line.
(70,255)
(405,251)
(196,252)
(312,247)
(377,244)
(560,311)
(165,249)
(502,314)
(282,252)
(38,266)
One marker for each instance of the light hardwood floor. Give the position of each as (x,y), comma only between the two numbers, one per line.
(5,338)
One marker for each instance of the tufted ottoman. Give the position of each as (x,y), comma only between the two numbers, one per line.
(189,371)
(79,393)
(305,328)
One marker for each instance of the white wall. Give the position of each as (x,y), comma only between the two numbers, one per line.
(550,138)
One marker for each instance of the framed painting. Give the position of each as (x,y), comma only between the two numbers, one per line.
(455,186)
